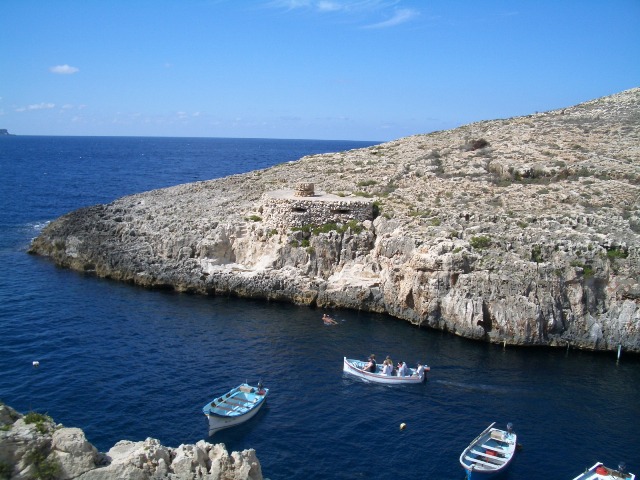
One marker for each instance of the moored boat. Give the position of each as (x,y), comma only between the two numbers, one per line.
(600,472)
(234,407)
(489,453)
(357,369)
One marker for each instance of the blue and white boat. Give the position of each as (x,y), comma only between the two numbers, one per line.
(600,472)
(489,453)
(235,407)
(357,369)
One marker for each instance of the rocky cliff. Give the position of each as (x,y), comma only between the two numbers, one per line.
(524,231)
(34,446)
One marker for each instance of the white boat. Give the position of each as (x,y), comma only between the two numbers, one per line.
(600,472)
(234,407)
(356,368)
(489,453)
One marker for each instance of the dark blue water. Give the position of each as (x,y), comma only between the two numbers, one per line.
(121,362)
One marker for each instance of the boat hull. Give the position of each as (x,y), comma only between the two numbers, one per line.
(601,472)
(489,454)
(355,368)
(237,406)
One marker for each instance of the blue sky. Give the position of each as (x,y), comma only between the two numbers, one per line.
(322,69)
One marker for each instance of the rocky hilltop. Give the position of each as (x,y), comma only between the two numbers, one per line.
(34,446)
(524,230)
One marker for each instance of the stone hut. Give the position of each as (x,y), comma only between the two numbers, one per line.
(303,206)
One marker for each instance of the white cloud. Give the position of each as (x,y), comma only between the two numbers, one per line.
(360,9)
(329,6)
(400,16)
(349,6)
(291,4)
(64,69)
(36,106)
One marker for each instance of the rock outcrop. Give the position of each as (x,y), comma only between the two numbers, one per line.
(524,231)
(34,446)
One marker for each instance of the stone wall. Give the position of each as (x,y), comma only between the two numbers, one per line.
(284,209)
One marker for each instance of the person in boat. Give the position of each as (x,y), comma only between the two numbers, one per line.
(419,369)
(387,369)
(387,366)
(371,366)
(328,320)
(403,370)
(390,362)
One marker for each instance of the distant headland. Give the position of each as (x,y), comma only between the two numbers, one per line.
(4,131)
(520,231)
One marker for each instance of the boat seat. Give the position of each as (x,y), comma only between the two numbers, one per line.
(497,448)
(498,460)
(234,409)
(222,407)
(493,466)
(499,437)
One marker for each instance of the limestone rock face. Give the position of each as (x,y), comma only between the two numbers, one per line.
(34,446)
(524,231)
(73,452)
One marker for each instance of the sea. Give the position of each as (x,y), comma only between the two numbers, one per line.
(126,363)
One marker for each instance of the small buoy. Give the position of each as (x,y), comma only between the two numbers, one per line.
(403,426)
(36,363)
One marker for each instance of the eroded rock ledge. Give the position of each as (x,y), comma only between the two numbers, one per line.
(524,230)
(34,446)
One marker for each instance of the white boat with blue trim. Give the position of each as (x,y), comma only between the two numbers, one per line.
(235,407)
(600,472)
(489,453)
(357,368)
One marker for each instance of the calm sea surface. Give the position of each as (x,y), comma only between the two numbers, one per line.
(121,362)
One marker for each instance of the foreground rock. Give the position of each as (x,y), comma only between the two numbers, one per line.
(524,231)
(34,446)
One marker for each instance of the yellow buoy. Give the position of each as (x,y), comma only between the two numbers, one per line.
(403,426)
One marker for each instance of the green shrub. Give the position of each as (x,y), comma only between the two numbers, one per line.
(475,144)
(354,226)
(587,270)
(617,252)
(536,254)
(5,470)
(44,469)
(254,218)
(363,194)
(389,188)
(480,242)
(39,419)
(366,183)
